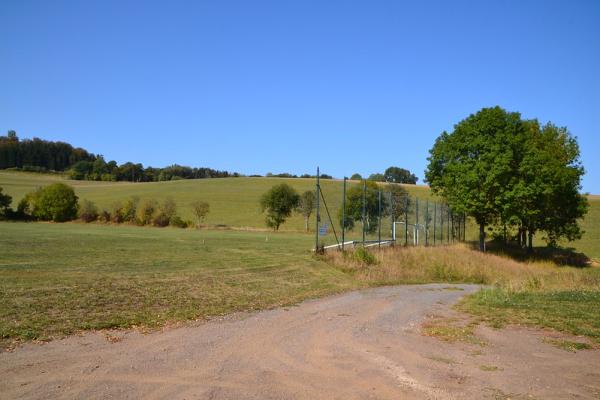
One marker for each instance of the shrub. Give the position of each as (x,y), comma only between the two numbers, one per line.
(116,212)
(56,202)
(200,209)
(88,211)
(166,211)
(364,256)
(104,216)
(128,211)
(177,222)
(145,211)
(5,201)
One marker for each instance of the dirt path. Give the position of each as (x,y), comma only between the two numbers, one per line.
(360,345)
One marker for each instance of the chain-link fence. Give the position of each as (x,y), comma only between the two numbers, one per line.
(369,214)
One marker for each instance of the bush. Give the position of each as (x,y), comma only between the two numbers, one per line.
(104,216)
(364,256)
(56,202)
(5,201)
(145,211)
(165,212)
(128,211)
(116,212)
(177,222)
(88,211)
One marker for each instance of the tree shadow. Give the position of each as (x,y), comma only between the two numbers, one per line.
(563,256)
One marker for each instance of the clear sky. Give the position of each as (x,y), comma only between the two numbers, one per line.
(284,86)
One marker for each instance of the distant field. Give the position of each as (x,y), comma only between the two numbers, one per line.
(233,202)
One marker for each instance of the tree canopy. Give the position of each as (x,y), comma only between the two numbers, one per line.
(279,202)
(502,170)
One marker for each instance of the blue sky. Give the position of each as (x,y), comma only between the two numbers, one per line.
(257,87)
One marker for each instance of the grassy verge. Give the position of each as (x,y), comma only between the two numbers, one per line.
(538,293)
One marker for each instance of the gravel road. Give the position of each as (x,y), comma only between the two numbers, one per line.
(360,345)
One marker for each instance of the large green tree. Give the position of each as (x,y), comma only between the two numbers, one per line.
(278,203)
(472,167)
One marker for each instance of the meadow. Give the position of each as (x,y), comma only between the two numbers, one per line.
(57,279)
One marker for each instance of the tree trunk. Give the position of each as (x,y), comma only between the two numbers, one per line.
(530,245)
(481,237)
(306,223)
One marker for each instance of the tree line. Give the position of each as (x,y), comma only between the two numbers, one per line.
(515,177)
(390,175)
(43,156)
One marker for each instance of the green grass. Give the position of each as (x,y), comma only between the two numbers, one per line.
(56,279)
(575,311)
(234,202)
(568,345)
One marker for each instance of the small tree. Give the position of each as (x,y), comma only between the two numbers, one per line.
(5,201)
(278,203)
(356,177)
(399,200)
(306,205)
(200,209)
(129,209)
(376,177)
(56,202)
(88,211)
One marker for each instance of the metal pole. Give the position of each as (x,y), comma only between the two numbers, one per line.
(448,227)
(434,220)
(406,220)
(318,216)
(379,219)
(416,240)
(427,222)
(392,218)
(364,205)
(442,223)
(344,213)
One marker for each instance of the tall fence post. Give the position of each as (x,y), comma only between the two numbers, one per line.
(364,205)
(427,223)
(434,220)
(379,218)
(318,215)
(416,234)
(344,213)
(448,227)
(406,220)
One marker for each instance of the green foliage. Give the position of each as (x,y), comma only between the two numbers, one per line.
(165,212)
(145,211)
(56,202)
(377,177)
(177,222)
(88,211)
(364,256)
(399,175)
(356,177)
(5,201)
(129,209)
(399,200)
(278,203)
(306,205)
(502,170)
(200,209)
(354,206)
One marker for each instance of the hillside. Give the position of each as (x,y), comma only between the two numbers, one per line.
(234,202)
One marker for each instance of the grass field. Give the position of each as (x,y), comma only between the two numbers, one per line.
(56,279)
(235,201)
